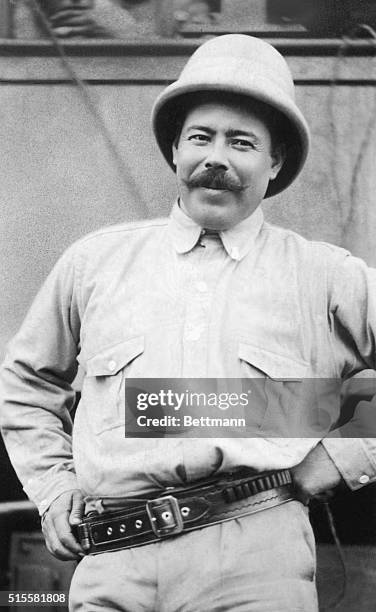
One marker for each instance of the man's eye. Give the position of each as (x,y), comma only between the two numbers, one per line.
(199,137)
(242,144)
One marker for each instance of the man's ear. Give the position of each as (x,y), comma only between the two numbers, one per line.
(175,148)
(174,152)
(175,142)
(278,159)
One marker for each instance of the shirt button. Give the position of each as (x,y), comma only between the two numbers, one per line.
(193,334)
(235,253)
(111,365)
(201,286)
(364,479)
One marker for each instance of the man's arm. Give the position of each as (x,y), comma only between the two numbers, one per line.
(335,461)
(316,474)
(36,391)
(348,455)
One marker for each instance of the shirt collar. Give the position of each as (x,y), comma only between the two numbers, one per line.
(237,240)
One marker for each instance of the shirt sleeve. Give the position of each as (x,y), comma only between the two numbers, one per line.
(355,459)
(352,315)
(36,393)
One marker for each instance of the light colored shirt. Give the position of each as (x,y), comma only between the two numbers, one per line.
(158,299)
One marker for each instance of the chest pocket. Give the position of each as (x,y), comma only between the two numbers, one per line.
(103,392)
(278,395)
(262,363)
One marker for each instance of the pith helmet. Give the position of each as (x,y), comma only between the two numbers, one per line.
(246,66)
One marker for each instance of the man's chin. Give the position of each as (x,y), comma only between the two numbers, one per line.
(212,214)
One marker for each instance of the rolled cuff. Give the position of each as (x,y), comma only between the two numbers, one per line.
(43,491)
(355,458)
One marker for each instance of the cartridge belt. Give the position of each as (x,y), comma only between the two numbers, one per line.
(184,509)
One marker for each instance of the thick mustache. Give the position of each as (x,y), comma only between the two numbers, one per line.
(215,179)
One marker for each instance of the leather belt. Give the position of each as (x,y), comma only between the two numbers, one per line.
(184,509)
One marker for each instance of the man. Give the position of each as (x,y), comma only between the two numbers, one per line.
(214,293)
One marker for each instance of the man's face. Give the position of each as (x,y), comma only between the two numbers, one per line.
(224,162)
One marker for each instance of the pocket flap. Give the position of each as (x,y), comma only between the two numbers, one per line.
(114,358)
(277,367)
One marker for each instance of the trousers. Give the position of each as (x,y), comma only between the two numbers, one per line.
(264,562)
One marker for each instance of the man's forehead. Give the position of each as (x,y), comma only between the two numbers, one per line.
(223,114)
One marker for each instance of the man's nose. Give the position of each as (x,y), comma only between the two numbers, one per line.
(217,157)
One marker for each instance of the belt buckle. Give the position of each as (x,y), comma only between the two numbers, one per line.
(164,515)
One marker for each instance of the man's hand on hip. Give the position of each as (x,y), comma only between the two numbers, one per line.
(316,474)
(64,512)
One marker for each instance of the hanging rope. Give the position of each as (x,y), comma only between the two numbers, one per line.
(122,167)
(340,597)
